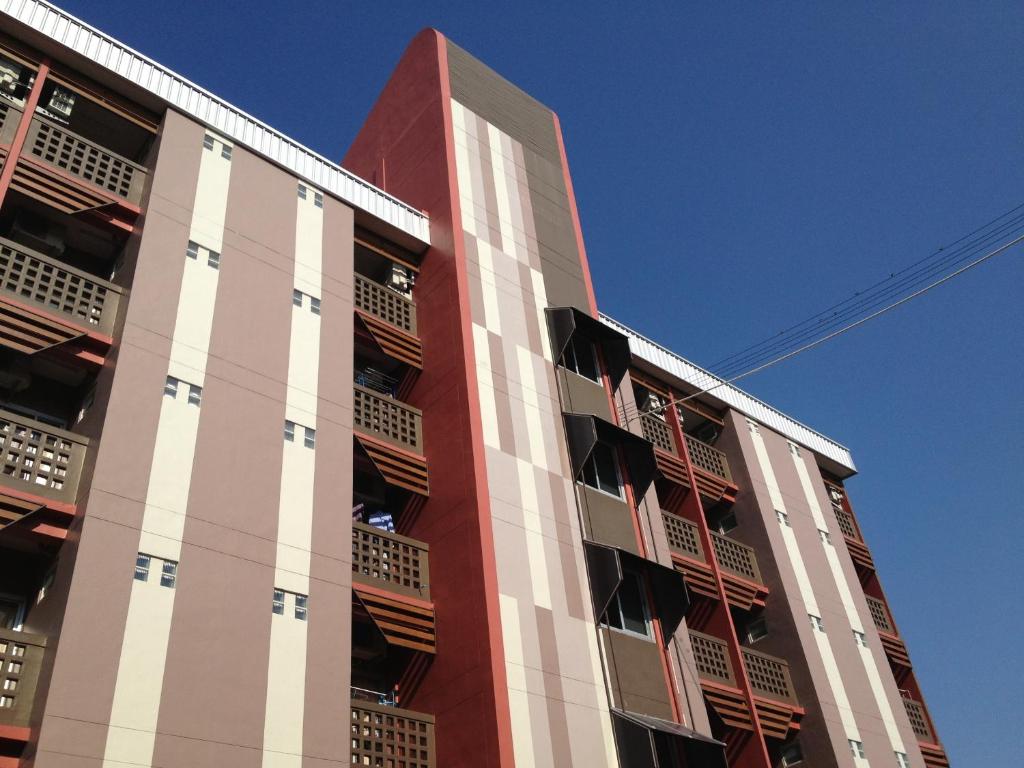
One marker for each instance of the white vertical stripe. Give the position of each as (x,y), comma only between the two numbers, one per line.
(796,560)
(286,672)
(856,625)
(139,685)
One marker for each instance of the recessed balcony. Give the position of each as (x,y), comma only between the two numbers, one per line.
(774,695)
(45,302)
(738,563)
(391,434)
(859,551)
(40,468)
(389,736)
(710,465)
(933,752)
(895,649)
(70,172)
(390,562)
(21,656)
(718,680)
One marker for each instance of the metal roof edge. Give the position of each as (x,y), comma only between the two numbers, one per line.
(735,397)
(246,130)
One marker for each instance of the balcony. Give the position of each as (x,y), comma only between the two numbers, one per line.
(389,736)
(51,144)
(895,649)
(718,682)
(774,695)
(41,466)
(391,562)
(859,551)
(710,465)
(738,563)
(389,318)
(47,285)
(391,434)
(21,656)
(933,752)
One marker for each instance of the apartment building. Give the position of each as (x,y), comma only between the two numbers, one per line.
(215,343)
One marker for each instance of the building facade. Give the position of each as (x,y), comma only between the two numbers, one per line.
(212,340)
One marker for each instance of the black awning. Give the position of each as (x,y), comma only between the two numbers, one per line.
(583,432)
(605,566)
(642,739)
(564,322)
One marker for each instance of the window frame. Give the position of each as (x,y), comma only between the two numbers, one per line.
(616,603)
(592,462)
(571,351)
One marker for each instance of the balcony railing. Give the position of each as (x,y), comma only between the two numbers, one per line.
(735,557)
(682,536)
(10,116)
(918,720)
(384,559)
(711,656)
(21,655)
(846,523)
(40,459)
(55,145)
(658,432)
(388,419)
(86,300)
(880,615)
(769,676)
(385,304)
(389,736)
(708,458)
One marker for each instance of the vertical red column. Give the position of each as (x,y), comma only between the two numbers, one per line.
(7,174)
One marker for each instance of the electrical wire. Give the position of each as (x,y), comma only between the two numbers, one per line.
(907,278)
(811,345)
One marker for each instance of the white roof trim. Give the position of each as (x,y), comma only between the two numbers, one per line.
(736,398)
(246,130)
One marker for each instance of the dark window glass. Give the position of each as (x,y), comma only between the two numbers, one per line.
(580,358)
(601,471)
(628,609)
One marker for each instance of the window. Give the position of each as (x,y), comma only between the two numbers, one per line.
(284,601)
(144,564)
(628,608)
(318,200)
(169,574)
(580,357)
(825,537)
(308,434)
(783,518)
(860,639)
(193,249)
(12,612)
(601,470)
(856,747)
(298,299)
(902,760)
(752,426)
(208,141)
(792,754)
(194,392)
(727,523)
(816,622)
(225,152)
(142,567)
(302,191)
(756,630)
(794,449)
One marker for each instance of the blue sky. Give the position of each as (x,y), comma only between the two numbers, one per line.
(737,169)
